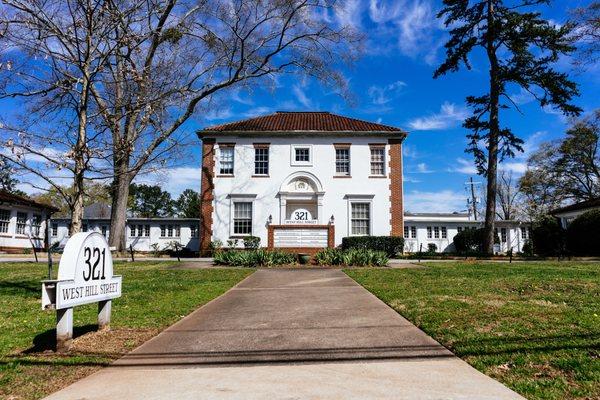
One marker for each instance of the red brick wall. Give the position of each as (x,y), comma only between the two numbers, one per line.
(396,191)
(207,194)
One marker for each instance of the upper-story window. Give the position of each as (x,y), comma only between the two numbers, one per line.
(21,223)
(226,159)
(342,160)
(261,159)
(377,160)
(4,220)
(301,155)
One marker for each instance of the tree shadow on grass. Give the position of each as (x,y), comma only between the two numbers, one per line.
(47,340)
(526,344)
(20,288)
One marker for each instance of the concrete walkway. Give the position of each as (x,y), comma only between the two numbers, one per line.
(290,334)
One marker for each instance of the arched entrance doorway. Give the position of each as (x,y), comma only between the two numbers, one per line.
(302,225)
(301,199)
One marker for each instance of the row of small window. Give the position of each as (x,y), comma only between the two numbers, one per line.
(301,156)
(360,223)
(165,230)
(36,223)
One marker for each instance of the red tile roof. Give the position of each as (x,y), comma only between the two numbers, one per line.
(11,198)
(302,121)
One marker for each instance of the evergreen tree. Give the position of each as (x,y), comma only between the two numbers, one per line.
(188,204)
(520,48)
(7,181)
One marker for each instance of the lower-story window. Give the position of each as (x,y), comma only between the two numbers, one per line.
(36,225)
(444,232)
(4,220)
(242,218)
(413,232)
(361,218)
(21,223)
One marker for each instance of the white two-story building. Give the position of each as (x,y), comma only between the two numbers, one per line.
(300,180)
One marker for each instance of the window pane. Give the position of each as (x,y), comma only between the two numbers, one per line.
(413,232)
(302,154)
(377,160)
(360,215)
(242,218)
(342,161)
(226,161)
(261,161)
(21,223)
(4,220)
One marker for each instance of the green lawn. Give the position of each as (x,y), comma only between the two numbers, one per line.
(533,326)
(153,298)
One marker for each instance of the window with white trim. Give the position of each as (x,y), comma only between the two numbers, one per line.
(429,233)
(436,232)
(342,161)
(226,160)
(301,155)
(377,160)
(194,231)
(242,218)
(4,220)
(405,232)
(503,236)
(177,230)
(54,229)
(523,233)
(413,232)
(170,230)
(360,219)
(163,231)
(444,232)
(147,230)
(21,223)
(36,225)
(261,160)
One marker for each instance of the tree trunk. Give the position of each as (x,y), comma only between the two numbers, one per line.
(494,130)
(80,153)
(118,212)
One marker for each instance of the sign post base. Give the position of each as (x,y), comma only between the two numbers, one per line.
(104,308)
(64,329)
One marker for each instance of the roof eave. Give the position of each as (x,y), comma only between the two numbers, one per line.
(214,133)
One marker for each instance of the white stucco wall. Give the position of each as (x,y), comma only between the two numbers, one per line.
(335,199)
(139,243)
(12,239)
(514,233)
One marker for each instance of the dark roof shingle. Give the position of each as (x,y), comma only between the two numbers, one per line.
(11,198)
(578,206)
(302,121)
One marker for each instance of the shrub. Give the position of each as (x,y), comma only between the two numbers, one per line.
(547,236)
(216,245)
(251,242)
(469,241)
(356,257)
(390,245)
(254,258)
(232,243)
(583,234)
(528,248)
(431,248)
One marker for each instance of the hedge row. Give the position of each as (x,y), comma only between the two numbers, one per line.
(253,258)
(354,257)
(581,238)
(390,245)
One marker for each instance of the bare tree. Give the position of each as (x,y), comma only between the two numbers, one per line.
(587,33)
(52,51)
(507,197)
(176,56)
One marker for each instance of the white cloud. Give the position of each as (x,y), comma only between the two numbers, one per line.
(410,151)
(422,168)
(301,96)
(450,114)
(218,114)
(464,167)
(381,95)
(415,27)
(349,13)
(442,201)
(256,111)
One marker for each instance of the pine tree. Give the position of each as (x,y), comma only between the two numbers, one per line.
(521,48)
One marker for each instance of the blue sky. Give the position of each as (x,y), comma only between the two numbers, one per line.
(392,83)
